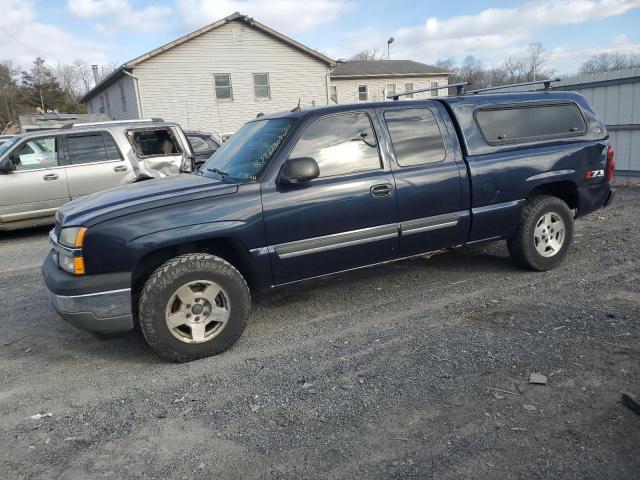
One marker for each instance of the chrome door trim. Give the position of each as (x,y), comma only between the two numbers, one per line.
(336,240)
(498,206)
(435,222)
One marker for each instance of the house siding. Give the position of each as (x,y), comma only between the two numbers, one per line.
(348,88)
(178,84)
(115,108)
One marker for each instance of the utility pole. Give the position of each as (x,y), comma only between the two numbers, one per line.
(389,42)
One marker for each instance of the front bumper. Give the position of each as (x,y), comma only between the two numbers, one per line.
(105,308)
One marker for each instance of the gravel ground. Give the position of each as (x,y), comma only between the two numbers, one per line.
(417,369)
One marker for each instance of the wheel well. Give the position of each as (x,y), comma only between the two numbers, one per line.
(566,191)
(229,249)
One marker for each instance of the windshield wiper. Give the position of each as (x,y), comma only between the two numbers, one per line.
(219,172)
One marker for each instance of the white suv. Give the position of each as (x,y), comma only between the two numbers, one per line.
(40,171)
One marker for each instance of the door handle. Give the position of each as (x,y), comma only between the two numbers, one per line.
(382,190)
(50,176)
(120,168)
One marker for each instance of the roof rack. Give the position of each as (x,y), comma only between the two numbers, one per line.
(112,122)
(547,86)
(458,86)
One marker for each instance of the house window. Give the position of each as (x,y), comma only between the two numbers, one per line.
(261,88)
(106,96)
(223,87)
(407,88)
(363,93)
(390,89)
(102,103)
(333,92)
(434,93)
(123,97)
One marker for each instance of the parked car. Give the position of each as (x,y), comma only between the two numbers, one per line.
(5,138)
(309,193)
(40,171)
(204,145)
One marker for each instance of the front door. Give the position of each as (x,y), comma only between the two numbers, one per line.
(94,163)
(345,218)
(38,185)
(432,187)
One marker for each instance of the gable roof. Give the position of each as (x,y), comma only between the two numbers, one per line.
(235,17)
(384,68)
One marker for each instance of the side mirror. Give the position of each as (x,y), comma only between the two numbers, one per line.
(299,170)
(7,165)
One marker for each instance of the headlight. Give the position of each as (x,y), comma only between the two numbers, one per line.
(72,237)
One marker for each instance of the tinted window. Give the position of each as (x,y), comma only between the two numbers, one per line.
(86,148)
(37,153)
(415,136)
(158,142)
(198,144)
(340,144)
(527,123)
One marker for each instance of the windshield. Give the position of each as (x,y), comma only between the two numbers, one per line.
(247,153)
(7,144)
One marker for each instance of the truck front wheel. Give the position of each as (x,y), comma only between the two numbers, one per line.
(193,306)
(544,234)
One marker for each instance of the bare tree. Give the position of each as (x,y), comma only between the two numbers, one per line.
(84,75)
(607,62)
(368,55)
(535,60)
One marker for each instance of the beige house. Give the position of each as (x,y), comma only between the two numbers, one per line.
(374,81)
(216,78)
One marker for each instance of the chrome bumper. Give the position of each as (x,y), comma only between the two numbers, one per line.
(96,312)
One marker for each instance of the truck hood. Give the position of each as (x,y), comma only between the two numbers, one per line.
(136,197)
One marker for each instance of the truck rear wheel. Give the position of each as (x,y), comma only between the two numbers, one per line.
(544,234)
(193,306)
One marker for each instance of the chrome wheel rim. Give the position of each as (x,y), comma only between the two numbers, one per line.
(548,236)
(197,311)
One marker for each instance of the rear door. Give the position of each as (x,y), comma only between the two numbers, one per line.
(345,218)
(430,179)
(94,163)
(38,186)
(161,148)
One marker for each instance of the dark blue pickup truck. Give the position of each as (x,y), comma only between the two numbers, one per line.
(309,193)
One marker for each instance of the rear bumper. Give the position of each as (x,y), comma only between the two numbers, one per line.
(106,309)
(593,197)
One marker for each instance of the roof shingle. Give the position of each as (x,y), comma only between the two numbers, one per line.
(372,68)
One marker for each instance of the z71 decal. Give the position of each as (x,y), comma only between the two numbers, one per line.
(594,174)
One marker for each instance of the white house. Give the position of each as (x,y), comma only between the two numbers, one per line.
(216,78)
(374,81)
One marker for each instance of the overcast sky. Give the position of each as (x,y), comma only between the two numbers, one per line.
(106,31)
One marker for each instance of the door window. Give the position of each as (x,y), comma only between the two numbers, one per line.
(157,142)
(340,144)
(90,148)
(37,153)
(415,136)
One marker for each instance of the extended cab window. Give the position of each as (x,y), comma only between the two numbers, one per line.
(340,144)
(90,148)
(37,153)
(415,136)
(156,142)
(526,123)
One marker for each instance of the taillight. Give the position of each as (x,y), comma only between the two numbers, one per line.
(611,163)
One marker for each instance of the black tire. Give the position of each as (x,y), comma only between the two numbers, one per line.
(163,283)
(522,246)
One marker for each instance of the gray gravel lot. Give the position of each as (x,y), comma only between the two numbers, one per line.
(417,369)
